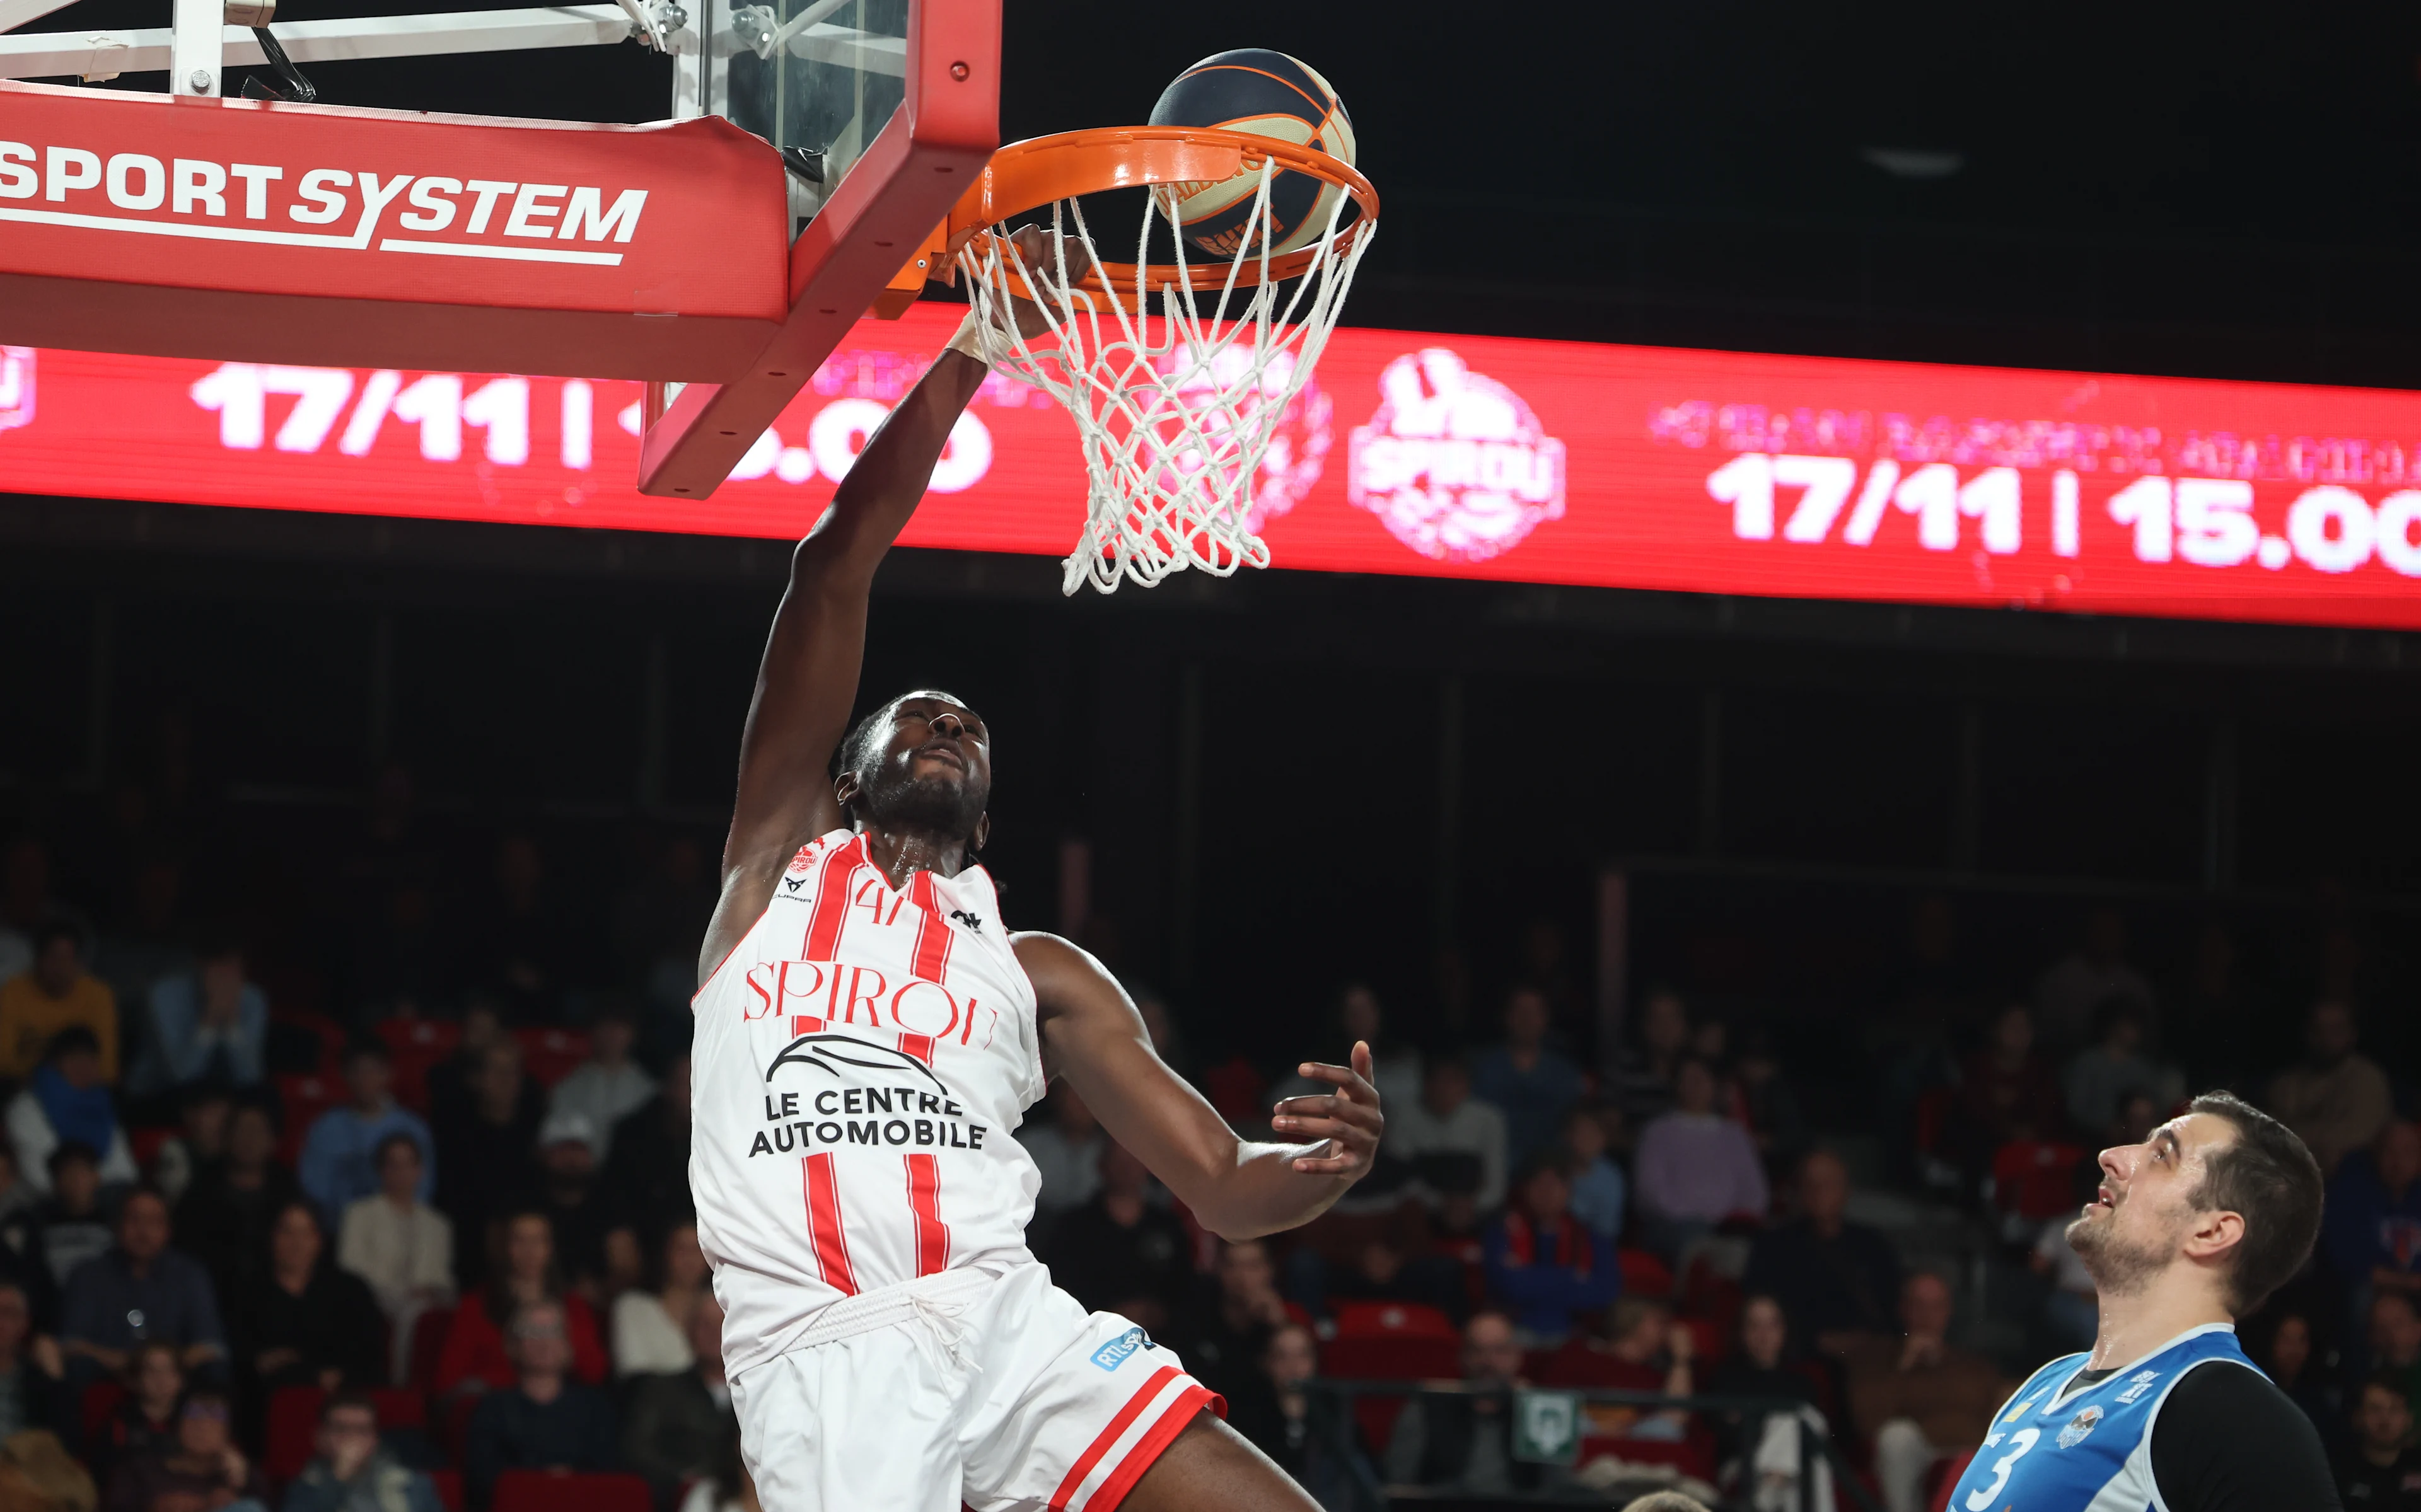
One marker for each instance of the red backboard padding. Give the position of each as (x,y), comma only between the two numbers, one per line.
(652,252)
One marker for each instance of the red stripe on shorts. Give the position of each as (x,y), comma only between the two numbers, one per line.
(824,1225)
(1154,1443)
(924,1201)
(1108,1436)
(831,901)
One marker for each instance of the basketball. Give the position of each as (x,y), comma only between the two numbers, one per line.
(1267,94)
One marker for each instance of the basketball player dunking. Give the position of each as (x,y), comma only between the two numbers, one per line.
(2190,1230)
(868,1036)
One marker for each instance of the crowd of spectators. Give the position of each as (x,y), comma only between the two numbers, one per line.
(361,1262)
(402,1242)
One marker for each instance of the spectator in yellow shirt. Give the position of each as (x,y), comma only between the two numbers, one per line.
(57,992)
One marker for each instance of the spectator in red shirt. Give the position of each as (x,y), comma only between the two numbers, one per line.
(475,1357)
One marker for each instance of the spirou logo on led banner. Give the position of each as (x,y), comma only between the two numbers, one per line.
(1454,463)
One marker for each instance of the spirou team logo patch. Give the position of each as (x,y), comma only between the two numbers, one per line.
(2078,1426)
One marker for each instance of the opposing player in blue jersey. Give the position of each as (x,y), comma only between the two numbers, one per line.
(2190,1231)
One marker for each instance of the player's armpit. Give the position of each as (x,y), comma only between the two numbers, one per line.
(1092,1035)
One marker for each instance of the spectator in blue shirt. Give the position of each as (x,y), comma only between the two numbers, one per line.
(138,1291)
(1531,1082)
(1544,1265)
(209,1026)
(1598,1190)
(2371,1225)
(339,1163)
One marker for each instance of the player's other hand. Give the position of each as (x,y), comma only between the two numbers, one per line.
(1347,1119)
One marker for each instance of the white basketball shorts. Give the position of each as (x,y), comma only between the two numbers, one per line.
(986,1386)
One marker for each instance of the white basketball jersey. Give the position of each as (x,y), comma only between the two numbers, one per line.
(860,1061)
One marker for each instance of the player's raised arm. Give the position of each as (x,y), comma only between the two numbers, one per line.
(1092,1035)
(808,681)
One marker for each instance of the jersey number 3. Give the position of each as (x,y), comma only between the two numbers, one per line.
(2019,1442)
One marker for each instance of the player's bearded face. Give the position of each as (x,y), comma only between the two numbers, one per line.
(2131,1238)
(900,793)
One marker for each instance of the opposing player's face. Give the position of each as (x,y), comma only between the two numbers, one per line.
(934,773)
(2145,1207)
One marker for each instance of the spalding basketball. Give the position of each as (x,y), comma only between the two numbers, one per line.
(1267,94)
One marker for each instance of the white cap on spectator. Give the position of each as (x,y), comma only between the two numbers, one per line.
(562,1126)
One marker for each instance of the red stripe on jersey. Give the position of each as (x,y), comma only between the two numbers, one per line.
(933,931)
(802,1023)
(824,1225)
(831,901)
(924,1201)
(1153,1443)
(1108,1436)
(920,1046)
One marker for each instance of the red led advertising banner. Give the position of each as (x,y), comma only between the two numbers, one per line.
(1471,457)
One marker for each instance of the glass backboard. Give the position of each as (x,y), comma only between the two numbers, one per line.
(816,78)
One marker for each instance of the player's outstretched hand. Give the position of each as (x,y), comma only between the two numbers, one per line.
(1349,1119)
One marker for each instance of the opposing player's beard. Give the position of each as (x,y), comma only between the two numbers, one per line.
(2118,1264)
(896,800)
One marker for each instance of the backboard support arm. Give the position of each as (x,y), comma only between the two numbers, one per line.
(194,62)
(880,216)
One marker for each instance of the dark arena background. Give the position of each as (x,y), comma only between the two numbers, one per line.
(1953,894)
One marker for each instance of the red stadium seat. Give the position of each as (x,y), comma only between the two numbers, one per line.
(1708,1294)
(458,1423)
(449,1488)
(1392,1341)
(1708,1336)
(1376,1417)
(306,1098)
(550,1054)
(1946,1473)
(1644,1275)
(535,1491)
(2034,1178)
(293,1427)
(101,1399)
(427,1342)
(1392,1320)
(400,1406)
(145,1144)
(417,1046)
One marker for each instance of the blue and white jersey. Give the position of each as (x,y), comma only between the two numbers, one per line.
(2092,1450)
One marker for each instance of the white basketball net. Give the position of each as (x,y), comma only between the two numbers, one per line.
(1175,408)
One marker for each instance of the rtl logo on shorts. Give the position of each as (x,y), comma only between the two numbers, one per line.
(16,388)
(1454,463)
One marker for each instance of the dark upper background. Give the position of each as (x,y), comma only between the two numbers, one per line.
(1290,780)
